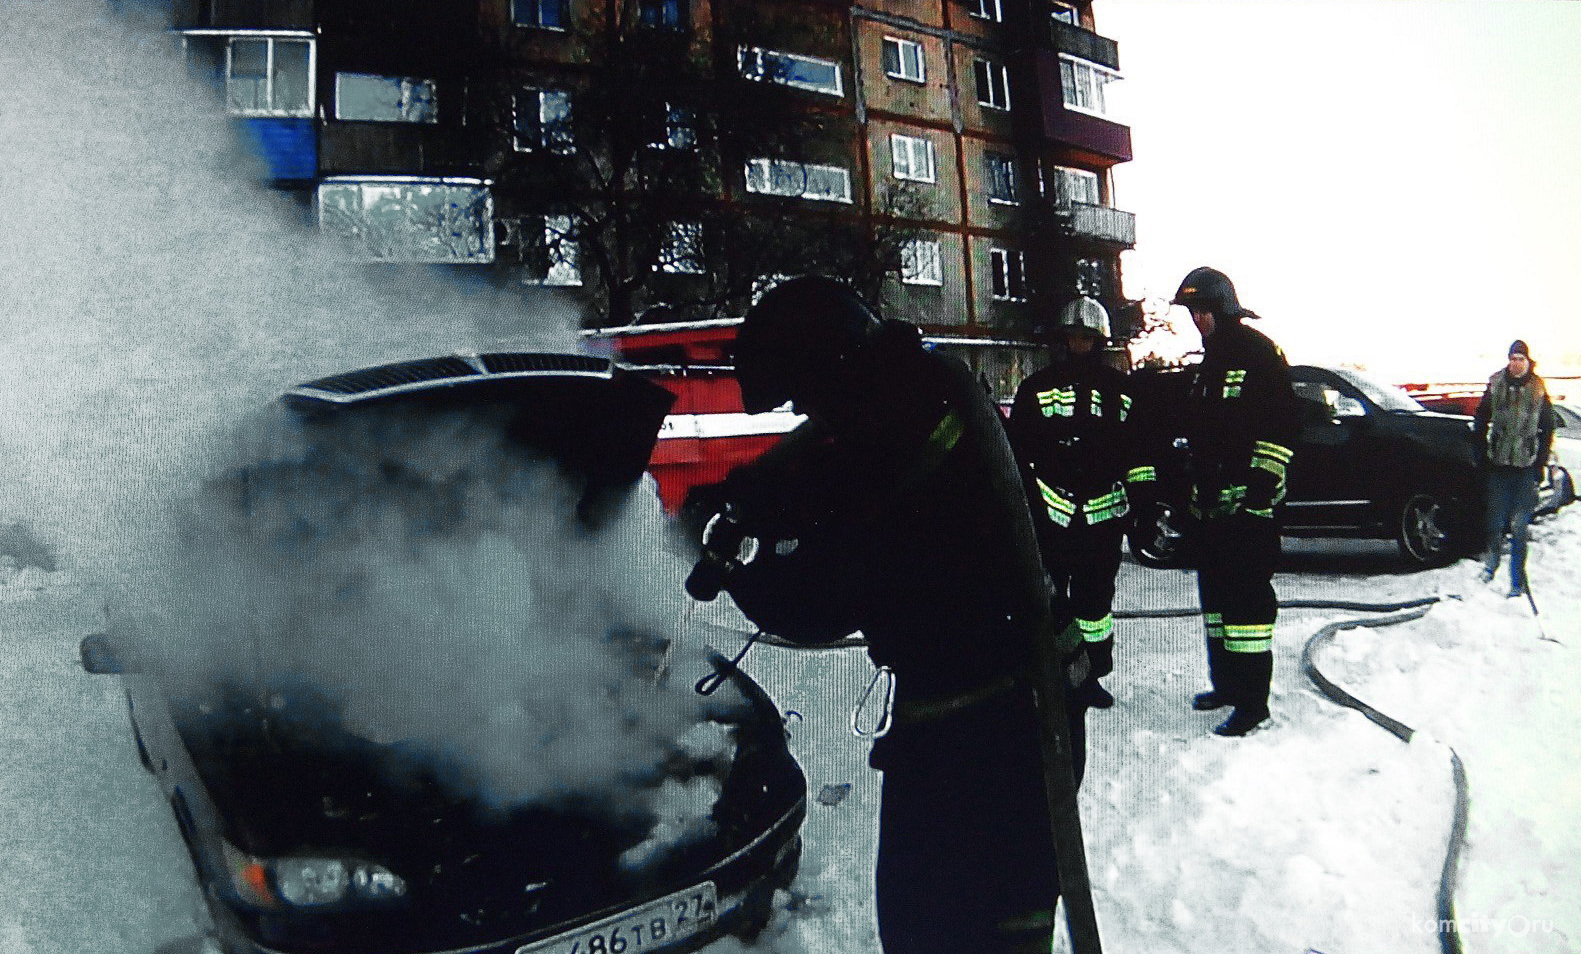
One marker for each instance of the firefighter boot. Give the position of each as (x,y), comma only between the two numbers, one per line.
(1251,674)
(1218,670)
(1100,659)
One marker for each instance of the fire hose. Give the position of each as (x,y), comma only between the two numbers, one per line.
(1401,612)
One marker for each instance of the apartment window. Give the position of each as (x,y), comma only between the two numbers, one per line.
(664,14)
(1000,171)
(920,263)
(365,97)
(911,157)
(542,14)
(1065,13)
(542,120)
(410,218)
(791,69)
(1009,274)
(1082,85)
(682,250)
(544,244)
(903,60)
(799,180)
(1090,277)
(986,10)
(680,128)
(993,83)
(1077,185)
(269,76)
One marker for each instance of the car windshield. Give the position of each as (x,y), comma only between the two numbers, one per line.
(1386,396)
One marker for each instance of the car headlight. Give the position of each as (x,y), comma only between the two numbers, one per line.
(308,881)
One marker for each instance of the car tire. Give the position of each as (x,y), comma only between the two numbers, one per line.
(1428,530)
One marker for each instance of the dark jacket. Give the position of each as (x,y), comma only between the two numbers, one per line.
(1515,423)
(909,523)
(1242,422)
(1074,433)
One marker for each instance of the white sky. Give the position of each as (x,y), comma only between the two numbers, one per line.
(1395,184)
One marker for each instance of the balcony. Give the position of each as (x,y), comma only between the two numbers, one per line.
(1095,223)
(1085,44)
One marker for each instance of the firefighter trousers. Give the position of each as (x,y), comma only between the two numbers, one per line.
(966,853)
(1082,564)
(1236,558)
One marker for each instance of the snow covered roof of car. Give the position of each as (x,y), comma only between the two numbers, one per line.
(430,373)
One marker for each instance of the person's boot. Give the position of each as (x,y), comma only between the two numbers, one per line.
(1208,701)
(1093,695)
(1241,721)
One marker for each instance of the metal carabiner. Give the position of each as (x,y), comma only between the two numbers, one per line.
(886,720)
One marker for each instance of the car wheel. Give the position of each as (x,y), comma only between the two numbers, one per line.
(1427,531)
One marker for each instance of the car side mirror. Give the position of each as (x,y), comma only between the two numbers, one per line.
(101,657)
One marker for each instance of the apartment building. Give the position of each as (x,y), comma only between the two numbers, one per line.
(671,157)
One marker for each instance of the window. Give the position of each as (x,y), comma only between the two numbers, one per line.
(410,218)
(1065,13)
(1000,171)
(269,76)
(1082,85)
(1076,185)
(800,180)
(985,10)
(1090,277)
(903,60)
(385,99)
(663,14)
(920,263)
(542,14)
(791,69)
(680,128)
(993,83)
(911,157)
(544,244)
(560,248)
(542,120)
(1009,274)
(682,251)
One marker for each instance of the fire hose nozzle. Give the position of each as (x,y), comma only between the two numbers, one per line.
(727,547)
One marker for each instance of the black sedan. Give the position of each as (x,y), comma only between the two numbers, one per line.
(1370,463)
(553,788)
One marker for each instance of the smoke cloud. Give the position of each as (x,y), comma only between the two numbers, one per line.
(155,299)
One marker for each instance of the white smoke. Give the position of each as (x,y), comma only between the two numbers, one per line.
(154,299)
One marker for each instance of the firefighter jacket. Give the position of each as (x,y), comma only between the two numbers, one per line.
(1515,422)
(903,517)
(1241,424)
(1075,436)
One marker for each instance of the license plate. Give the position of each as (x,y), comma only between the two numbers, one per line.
(655,925)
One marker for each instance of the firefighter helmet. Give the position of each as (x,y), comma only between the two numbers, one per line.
(1210,290)
(1084,316)
(795,336)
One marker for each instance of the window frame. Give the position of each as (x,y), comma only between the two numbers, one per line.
(538,6)
(559,141)
(429,118)
(1064,174)
(1079,68)
(991,10)
(1011,177)
(926,271)
(682,21)
(1007,269)
(901,143)
(1056,7)
(227,76)
(682,251)
(768,167)
(758,72)
(901,45)
(984,73)
(480,250)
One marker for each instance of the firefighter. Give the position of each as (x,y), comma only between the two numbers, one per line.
(896,509)
(1241,422)
(1074,435)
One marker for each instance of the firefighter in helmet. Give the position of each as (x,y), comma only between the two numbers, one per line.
(1074,434)
(896,510)
(1241,423)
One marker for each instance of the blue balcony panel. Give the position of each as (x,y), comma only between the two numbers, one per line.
(289,147)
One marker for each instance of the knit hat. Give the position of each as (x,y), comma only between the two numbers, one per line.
(1518,347)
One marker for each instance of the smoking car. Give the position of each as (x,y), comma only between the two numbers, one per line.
(360,761)
(1370,462)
